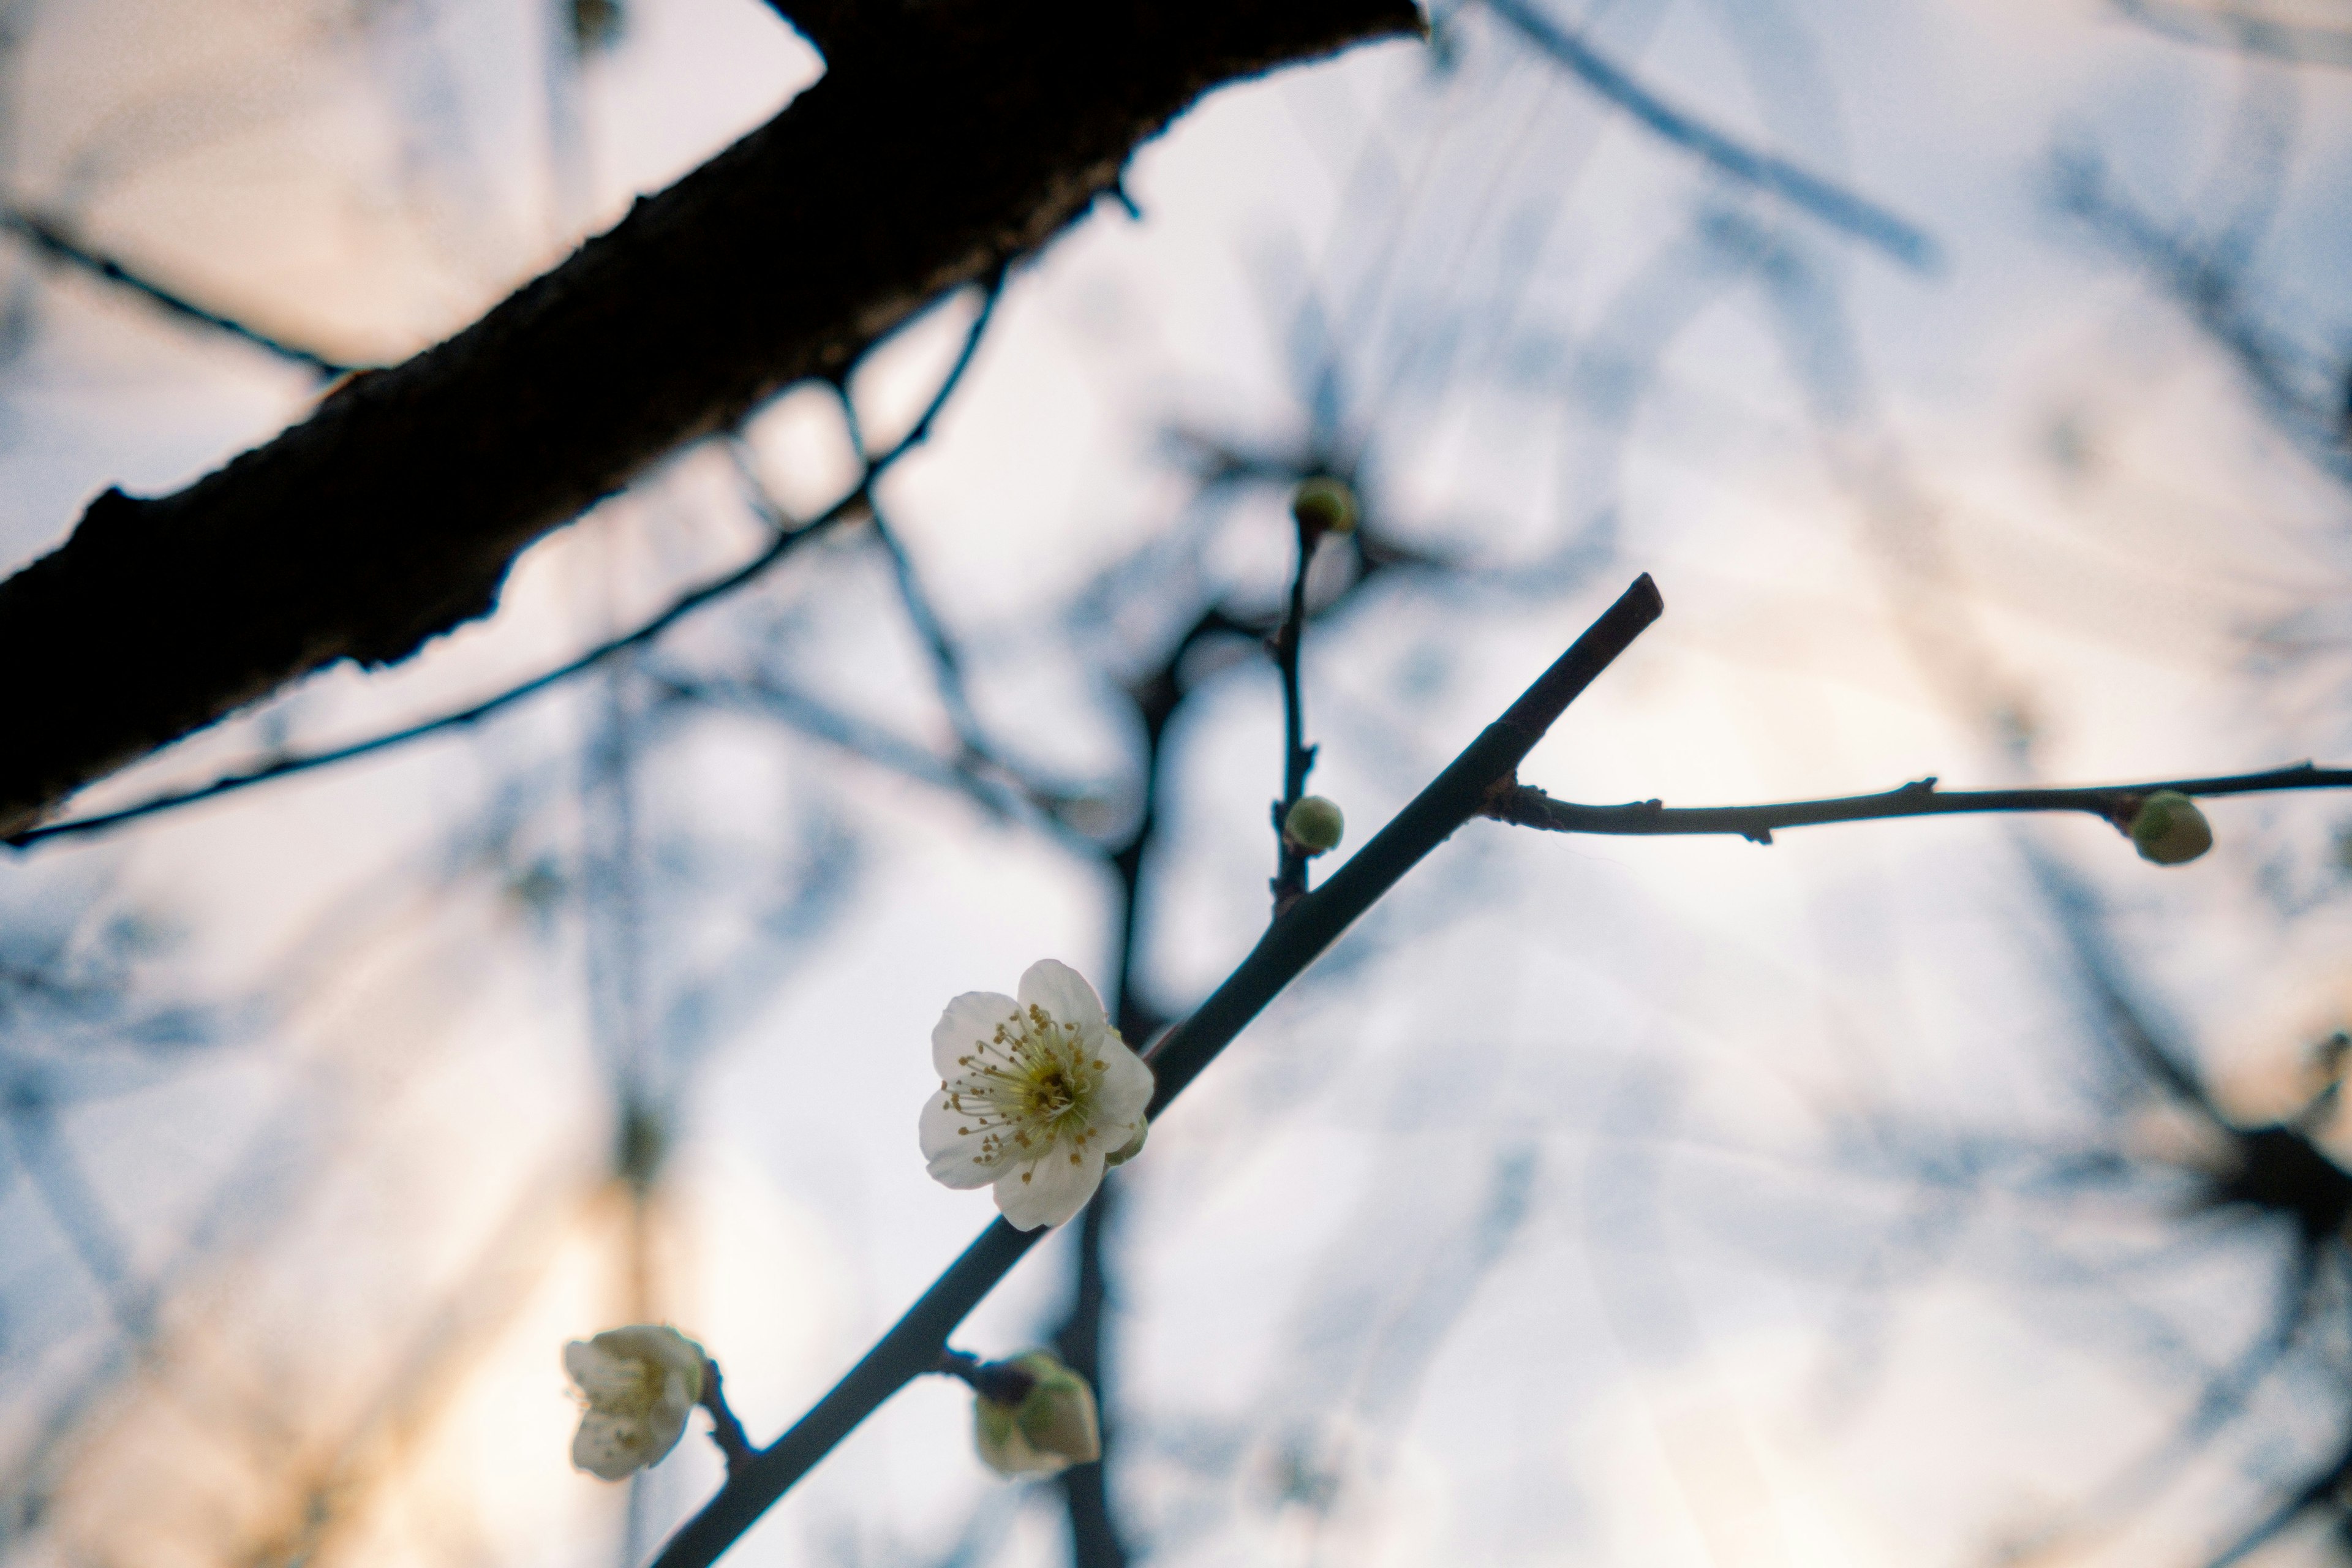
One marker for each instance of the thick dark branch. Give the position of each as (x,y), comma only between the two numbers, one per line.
(394,512)
(841,29)
(52,240)
(1842,209)
(1527,806)
(788,537)
(914,1344)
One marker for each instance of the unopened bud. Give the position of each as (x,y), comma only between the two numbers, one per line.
(1324,505)
(1129,1150)
(639,1385)
(1050,1428)
(2170,829)
(1313,825)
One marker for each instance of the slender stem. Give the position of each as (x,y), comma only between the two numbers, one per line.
(1002,1382)
(51,241)
(856,502)
(725,1429)
(1297,756)
(914,1344)
(1527,806)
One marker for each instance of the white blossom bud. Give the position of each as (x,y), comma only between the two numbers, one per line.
(1314,825)
(639,1383)
(1050,1428)
(2170,829)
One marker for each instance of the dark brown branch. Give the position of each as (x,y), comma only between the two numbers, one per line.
(914,1344)
(1524,805)
(841,29)
(394,512)
(788,537)
(52,240)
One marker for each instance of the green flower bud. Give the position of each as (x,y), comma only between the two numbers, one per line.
(1324,505)
(1130,1149)
(2170,829)
(1313,825)
(1050,1428)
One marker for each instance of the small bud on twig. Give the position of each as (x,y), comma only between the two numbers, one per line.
(2169,830)
(1313,825)
(1043,1429)
(1324,505)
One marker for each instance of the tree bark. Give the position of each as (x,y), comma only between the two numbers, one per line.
(394,510)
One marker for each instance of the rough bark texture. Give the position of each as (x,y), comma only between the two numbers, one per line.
(394,512)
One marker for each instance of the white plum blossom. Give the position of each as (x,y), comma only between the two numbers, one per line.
(641,1382)
(1037,1095)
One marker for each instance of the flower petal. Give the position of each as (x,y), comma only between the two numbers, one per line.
(610,1447)
(1049,1190)
(1064,993)
(969,1020)
(599,1372)
(658,1345)
(1126,1086)
(954,1146)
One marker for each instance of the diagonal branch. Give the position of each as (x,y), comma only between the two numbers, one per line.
(1839,208)
(788,537)
(913,1345)
(393,513)
(52,240)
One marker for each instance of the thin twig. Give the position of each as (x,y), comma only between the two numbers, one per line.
(857,501)
(725,1429)
(947,663)
(1525,806)
(913,1345)
(1297,756)
(51,241)
(999,1381)
(1841,209)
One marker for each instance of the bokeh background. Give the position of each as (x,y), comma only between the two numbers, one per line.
(1970,375)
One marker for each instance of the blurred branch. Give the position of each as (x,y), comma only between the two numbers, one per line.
(2237,26)
(788,537)
(1844,210)
(52,240)
(1296,939)
(2303,399)
(1525,806)
(947,664)
(2323,1490)
(395,510)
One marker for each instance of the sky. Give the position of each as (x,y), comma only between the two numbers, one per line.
(1636,1202)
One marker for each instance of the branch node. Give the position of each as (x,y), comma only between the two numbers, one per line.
(725,1429)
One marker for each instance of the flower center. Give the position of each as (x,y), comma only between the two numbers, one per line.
(1027,1087)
